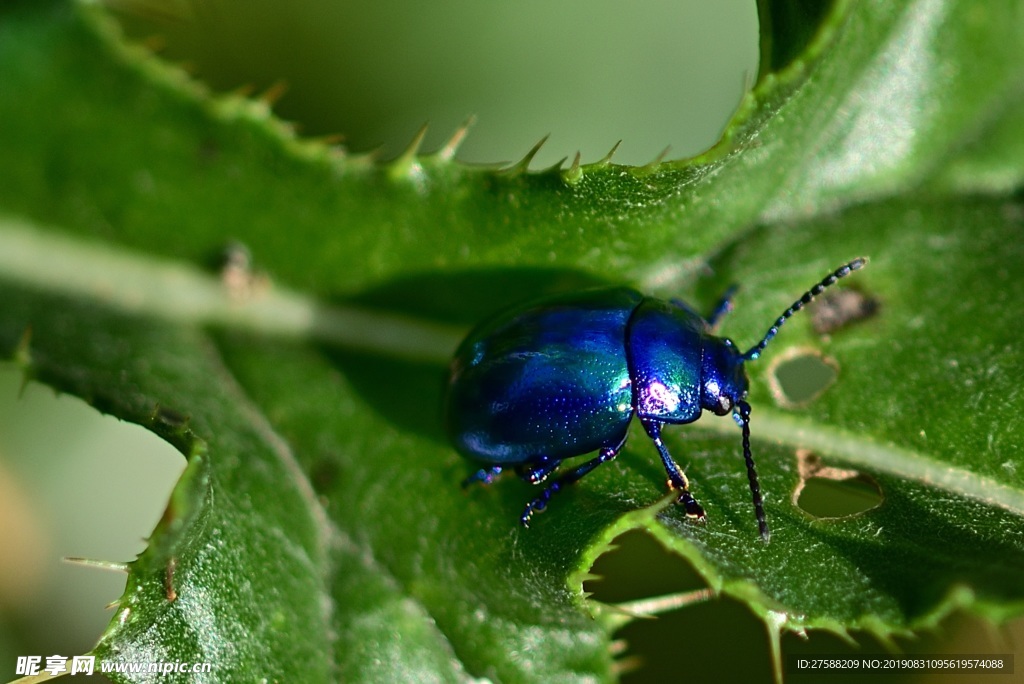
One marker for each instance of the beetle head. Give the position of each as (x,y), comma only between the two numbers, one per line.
(723,380)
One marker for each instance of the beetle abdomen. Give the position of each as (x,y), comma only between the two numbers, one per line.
(550,380)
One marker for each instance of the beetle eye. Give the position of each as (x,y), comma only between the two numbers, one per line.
(724,404)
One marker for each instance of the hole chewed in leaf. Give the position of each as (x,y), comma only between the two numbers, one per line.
(839,308)
(324,475)
(828,492)
(636,567)
(799,375)
(639,579)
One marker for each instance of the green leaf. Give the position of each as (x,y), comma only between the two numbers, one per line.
(319,533)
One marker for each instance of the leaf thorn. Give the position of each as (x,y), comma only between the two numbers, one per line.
(648,608)
(573,174)
(653,165)
(93,563)
(554,168)
(407,164)
(627,665)
(23,350)
(607,159)
(275,92)
(524,164)
(618,647)
(331,139)
(448,150)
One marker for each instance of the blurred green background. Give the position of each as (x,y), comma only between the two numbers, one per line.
(657,74)
(587,72)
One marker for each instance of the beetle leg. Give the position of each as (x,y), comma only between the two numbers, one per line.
(723,307)
(541,502)
(484,475)
(681,304)
(537,469)
(676,478)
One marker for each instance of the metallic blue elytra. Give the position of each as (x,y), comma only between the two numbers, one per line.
(564,376)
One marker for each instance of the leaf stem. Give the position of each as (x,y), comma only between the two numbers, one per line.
(136,283)
(861,450)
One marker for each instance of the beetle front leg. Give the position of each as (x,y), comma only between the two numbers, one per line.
(676,478)
(723,307)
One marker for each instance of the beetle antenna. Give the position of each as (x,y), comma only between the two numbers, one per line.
(854,265)
(755,488)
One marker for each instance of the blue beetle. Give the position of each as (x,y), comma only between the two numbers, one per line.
(564,376)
